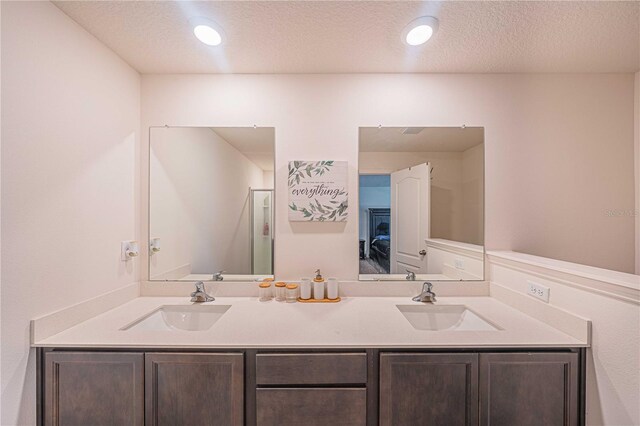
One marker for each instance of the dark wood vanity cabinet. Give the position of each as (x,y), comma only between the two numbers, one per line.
(529,389)
(311,387)
(490,389)
(122,388)
(311,407)
(194,389)
(428,389)
(93,388)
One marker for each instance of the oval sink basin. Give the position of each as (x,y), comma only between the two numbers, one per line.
(444,317)
(180,317)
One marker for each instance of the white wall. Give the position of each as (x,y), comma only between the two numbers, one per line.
(637,157)
(472,222)
(70,123)
(200,201)
(613,361)
(458,261)
(267,179)
(558,148)
(1,111)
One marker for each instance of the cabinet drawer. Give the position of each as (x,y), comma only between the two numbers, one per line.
(311,369)
(311,407)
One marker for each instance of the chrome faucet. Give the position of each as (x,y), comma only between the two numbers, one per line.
(218,276)
(411,276)
(426,296)
(200,295)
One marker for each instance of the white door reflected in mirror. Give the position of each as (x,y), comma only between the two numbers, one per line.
(410,193)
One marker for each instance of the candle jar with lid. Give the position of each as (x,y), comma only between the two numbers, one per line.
(280,291)
(265,291)
(292,293)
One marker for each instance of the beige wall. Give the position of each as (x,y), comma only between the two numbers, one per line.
(1,115)
(637,157)
(558,148)
(200,202)
(472,222)
(70,123)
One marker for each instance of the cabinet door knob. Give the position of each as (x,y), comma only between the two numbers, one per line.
(422,252)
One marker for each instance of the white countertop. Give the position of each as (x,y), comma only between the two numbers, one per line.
(356,322)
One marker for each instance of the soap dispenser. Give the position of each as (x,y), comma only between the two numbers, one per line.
(318,286)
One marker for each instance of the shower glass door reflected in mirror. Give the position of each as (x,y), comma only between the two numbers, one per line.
(261,231)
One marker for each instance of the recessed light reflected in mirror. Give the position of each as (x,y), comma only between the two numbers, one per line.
(419,35)
(420,30)
(207,35)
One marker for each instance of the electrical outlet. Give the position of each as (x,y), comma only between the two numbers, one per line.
(538,290)
(459,264)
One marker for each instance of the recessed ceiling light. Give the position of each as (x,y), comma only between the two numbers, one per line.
(207,31)
(419,30)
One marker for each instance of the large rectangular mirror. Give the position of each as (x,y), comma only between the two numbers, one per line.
(421,203)
(211,203)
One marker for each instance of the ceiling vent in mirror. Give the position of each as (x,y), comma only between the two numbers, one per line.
(412,130)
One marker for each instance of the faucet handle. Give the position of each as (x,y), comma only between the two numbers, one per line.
(427,287)
(200,295)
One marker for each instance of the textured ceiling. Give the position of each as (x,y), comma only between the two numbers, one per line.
(430,139)
(364,36)
(257,144)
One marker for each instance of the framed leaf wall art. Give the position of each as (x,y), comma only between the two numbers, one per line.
(318,191)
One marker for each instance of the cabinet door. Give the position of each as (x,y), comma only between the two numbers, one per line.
(93,388)
(194,389)
(311,407)
(529,389)
(428,389)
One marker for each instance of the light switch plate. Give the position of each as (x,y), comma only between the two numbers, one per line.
(538,290)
